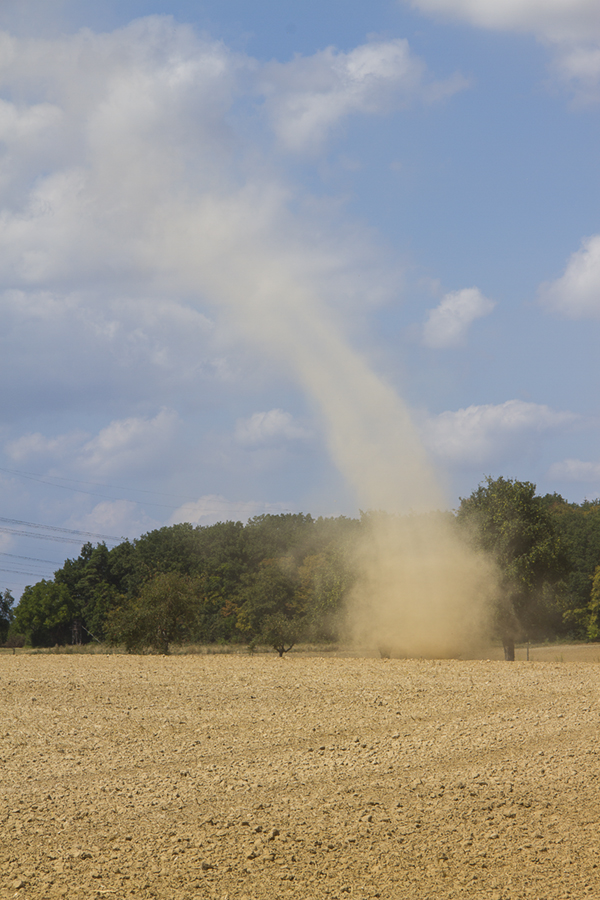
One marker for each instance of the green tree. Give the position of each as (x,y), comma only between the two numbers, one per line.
(579,527)
(215,555)
(108,589)
(271,611)
(164,613)
(276,537)
(6,614)
(45,614)
(324,580)
(221,562)
(505,518)
(593,629)
(94,587)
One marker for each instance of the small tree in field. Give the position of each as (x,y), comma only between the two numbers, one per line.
(272,611)
(164,613)
(278,630)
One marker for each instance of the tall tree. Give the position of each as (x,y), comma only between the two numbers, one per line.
(94,587)
(45,614)
(324,580)
(505,518)
(579,527)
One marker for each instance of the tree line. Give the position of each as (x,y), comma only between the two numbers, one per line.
(280,579)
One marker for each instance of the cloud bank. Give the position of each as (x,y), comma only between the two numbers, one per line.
(482,435)
(123,447)
(115,138)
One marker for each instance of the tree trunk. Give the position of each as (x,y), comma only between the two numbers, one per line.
(163,641)
(509,649)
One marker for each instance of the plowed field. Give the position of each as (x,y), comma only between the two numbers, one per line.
(253,777)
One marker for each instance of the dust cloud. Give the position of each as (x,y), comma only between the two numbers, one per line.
(421,591)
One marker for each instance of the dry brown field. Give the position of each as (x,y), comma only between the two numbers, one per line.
(234,777)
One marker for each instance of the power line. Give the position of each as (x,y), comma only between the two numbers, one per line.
(115,487)
(40,479)
(50,562)
(60,539)
(13,583)
(24,568)
(59,529)
(20,572)
(66,487)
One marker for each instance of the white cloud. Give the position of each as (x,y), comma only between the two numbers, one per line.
(135,101)
(487,434)
(28,135)
(448,323)
(140,347)
(29,446)
(571,27)
(577,293)
(128,445)
(216,508)
(100,120)
(125,446)
(268,428)
(579,67)
(575,470)
(119,518)
(557,20)
(307,97)
(128,150)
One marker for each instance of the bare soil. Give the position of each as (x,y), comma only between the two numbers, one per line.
(236,777)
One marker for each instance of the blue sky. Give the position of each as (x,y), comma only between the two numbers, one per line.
(221,221)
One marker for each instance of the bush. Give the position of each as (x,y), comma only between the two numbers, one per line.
(164,613)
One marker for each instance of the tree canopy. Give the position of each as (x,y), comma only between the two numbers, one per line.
(282,578)
(505,518)
(46,613)
(163,613)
